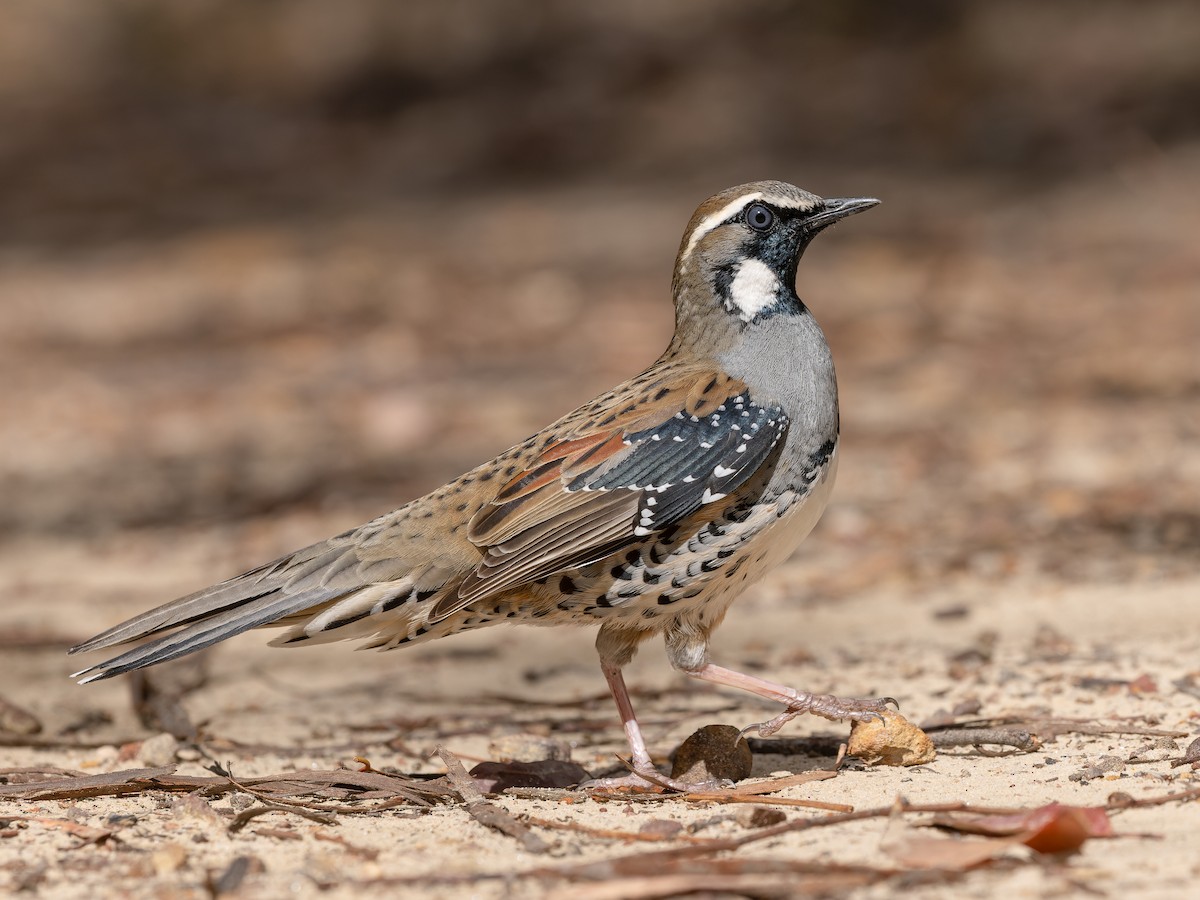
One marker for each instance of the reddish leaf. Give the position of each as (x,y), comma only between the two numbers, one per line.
(1143,684)
(1064,829)
(1053,828)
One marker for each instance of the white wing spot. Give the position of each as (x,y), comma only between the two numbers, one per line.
(721,471)
(710,497)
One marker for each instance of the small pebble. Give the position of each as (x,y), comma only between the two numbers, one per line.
(158,750)
(663,828)
(759,816)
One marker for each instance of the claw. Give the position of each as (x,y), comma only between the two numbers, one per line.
(829,707)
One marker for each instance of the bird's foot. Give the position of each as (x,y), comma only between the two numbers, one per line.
(647,779)
(828,707)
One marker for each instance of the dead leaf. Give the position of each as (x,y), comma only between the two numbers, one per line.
(1064,829)
(1143,685)
(494,777)
(894,741)
(1053,828)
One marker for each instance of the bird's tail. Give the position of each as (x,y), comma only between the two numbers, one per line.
(324,593)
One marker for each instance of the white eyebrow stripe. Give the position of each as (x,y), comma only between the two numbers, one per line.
(709,222)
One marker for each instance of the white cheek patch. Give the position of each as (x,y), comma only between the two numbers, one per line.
(753,289)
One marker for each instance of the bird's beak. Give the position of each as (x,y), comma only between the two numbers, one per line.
(838,208)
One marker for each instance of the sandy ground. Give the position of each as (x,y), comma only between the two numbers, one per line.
(1015,531)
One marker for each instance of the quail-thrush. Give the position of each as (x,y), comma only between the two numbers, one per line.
(646,511)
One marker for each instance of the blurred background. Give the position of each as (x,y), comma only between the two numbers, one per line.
(267,270)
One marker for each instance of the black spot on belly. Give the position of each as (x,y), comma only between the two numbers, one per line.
(566,585)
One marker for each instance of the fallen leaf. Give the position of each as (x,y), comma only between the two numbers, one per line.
(1142,685)
(1064,829)
(494,777)
(1053,828)
(894,741)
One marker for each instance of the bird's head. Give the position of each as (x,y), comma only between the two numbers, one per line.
(739,253)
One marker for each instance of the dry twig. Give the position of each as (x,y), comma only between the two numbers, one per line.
(484,812)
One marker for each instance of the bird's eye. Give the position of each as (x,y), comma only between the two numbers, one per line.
(759,217)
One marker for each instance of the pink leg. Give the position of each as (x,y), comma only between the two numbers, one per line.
(797,702)
(633,734)
(644,776)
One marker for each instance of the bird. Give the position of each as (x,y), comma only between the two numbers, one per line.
(646,511)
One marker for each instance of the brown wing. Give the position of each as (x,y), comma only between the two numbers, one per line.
(638,465)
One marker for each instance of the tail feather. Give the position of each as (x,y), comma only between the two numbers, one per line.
(325,592)
(211,629)
(192,608)
(290,588)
